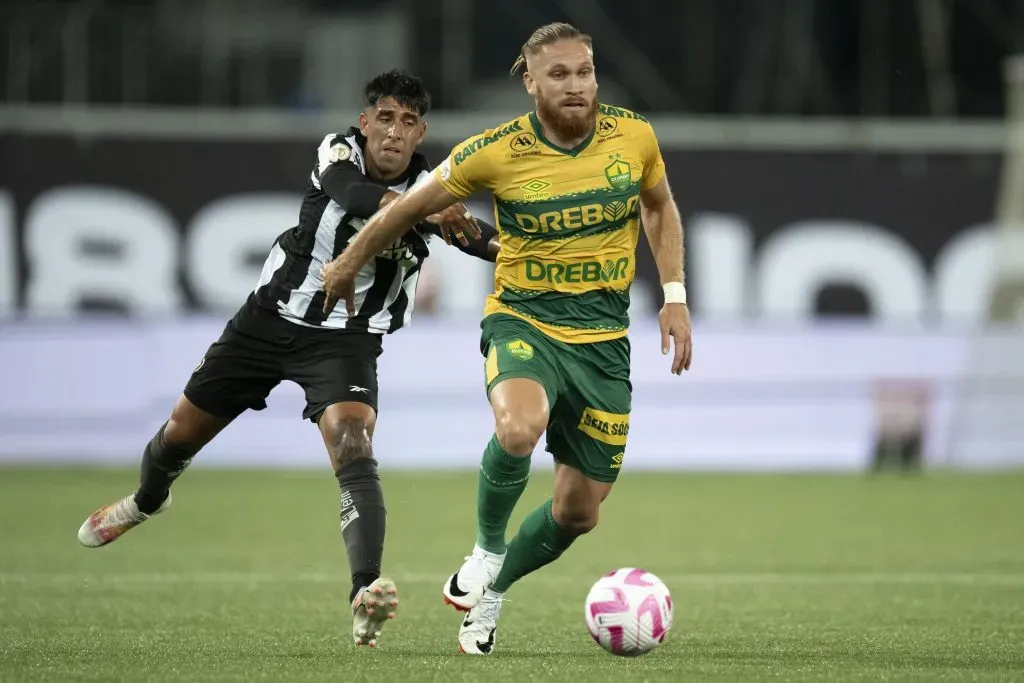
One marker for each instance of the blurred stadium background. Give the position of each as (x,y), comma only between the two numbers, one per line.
(851,178)
(848,172)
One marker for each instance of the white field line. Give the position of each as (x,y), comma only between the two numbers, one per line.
(12,580)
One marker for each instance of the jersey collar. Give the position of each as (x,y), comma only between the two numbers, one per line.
(535,122)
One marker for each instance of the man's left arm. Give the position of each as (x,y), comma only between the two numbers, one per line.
(664,229)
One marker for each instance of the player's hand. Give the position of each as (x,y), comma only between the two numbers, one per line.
(674,320)
(456,220)
(339,283)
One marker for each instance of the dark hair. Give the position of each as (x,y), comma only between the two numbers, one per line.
(545,35)
(406,89)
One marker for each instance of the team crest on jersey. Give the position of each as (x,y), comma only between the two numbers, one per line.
(519,349)
(618,173)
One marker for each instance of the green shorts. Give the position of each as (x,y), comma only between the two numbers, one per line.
(588,388)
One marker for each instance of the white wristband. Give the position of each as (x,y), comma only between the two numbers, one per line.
(675,292)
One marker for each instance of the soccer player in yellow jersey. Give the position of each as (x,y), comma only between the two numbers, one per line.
(571,183)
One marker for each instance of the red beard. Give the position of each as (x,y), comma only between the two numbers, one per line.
(568,124)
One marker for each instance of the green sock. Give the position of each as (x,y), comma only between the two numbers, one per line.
(540,541)
(503,479)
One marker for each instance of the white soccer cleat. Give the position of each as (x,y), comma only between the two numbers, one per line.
(108,523)
(463,589)
(371,609)
(478,630)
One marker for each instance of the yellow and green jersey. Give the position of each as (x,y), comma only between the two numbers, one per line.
(568,219)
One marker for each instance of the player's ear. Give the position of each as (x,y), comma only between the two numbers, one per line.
(531,85)
(363,123)
(421,132)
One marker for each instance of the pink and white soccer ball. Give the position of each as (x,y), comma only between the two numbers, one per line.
(629,612)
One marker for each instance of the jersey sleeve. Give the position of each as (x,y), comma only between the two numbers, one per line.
(654,164)
(468,169)
(338,175)
(333,150)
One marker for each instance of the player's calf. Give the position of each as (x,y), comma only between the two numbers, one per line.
(548,531)
(171,450)
(520,417)
(347,430)
(165,457)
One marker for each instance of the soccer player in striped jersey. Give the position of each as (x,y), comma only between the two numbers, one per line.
(284,331)
(571,182)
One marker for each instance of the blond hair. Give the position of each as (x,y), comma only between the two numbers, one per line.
(546,35)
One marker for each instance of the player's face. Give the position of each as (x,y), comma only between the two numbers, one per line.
(561,79)
(393,133)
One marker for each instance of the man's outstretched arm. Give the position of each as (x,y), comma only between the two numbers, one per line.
(485,247)
(423,201)
(427,200)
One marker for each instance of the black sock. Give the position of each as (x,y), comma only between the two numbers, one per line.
(360,581)
(161,465)
(362,520)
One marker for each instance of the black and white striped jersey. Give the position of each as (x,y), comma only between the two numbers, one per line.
(290,283)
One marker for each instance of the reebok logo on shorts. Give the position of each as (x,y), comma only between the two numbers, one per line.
(609,428)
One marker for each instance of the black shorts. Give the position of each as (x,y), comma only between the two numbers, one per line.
(259,349)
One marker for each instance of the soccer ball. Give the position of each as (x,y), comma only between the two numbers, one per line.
(629,612)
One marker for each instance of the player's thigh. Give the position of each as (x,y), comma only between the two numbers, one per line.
(239,370)
(521,374)
(335,367)
(590,424)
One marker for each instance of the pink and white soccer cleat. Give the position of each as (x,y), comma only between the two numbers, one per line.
(371,609)
(108,523)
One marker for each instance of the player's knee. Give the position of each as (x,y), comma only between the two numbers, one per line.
(576,519)
(190,427)
(176,431)
(519,434)
(350,440)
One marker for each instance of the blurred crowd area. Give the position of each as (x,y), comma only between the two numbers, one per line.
(875,58)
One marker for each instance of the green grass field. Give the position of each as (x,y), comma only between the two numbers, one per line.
(789,578)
